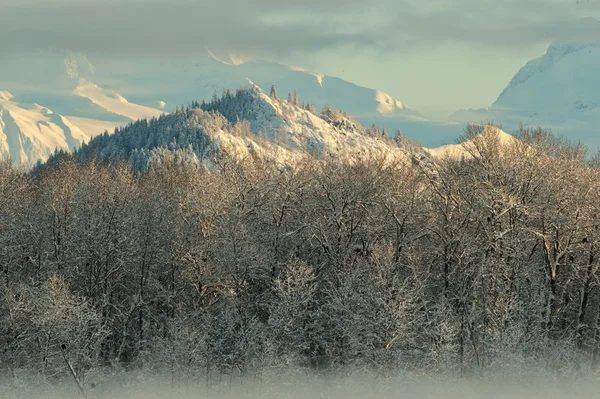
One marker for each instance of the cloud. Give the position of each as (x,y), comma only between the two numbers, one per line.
(511,25)
(279,27)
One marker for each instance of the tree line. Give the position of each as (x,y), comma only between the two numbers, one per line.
(467,264)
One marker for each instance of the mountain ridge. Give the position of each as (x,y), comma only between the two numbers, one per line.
(100,96)
(246,122)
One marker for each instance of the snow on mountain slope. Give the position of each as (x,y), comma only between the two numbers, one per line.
(32,132)
(5,95)
(559,91)
(563,83)
(293,132)
(86,87)
(29,133)
(245,123)
(388,104)
(465,150)
(367,106)
(180,81)
(358,101)
(114,102)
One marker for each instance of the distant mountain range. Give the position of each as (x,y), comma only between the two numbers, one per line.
(110,93)
(559,91)
(73,99)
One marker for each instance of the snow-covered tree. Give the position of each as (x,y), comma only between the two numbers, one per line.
(273,92)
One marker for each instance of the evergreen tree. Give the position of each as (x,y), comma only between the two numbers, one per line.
(310,108)
(273,93)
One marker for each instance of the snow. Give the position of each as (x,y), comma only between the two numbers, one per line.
(32,132)
(213,56)
(279,132)
(182,81)
(453,151)
(295,68)
(233,59)
(559,91)
(319,76)
(293,132)
(387,103)
(461,150)
(114,102)
(567,78)
(146,80)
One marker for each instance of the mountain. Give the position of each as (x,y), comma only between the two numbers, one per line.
(100,93)
(320,90)
(465,150)
(32,132)
(243,123)
(182,81)
(559,90)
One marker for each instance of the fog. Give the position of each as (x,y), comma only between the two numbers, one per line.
(353,385)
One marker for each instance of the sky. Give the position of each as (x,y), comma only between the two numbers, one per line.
(436,55)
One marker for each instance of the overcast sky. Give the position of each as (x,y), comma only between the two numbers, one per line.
(436,55)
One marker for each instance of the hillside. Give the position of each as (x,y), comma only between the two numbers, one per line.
(245,122)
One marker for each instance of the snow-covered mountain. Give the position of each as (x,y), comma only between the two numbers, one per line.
(100,93)
(465,150)
(32,132)
(244,123)
(559,90)
(184,80)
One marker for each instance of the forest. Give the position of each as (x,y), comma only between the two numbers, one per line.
(466,266)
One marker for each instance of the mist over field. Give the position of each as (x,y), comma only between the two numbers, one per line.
(352,386)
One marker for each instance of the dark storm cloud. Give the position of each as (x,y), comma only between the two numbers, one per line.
(270,27)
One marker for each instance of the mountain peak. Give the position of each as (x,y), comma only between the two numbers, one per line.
(465,150)
(388,103)
(246,122)
(559,90)
(583,34)
(555,53)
